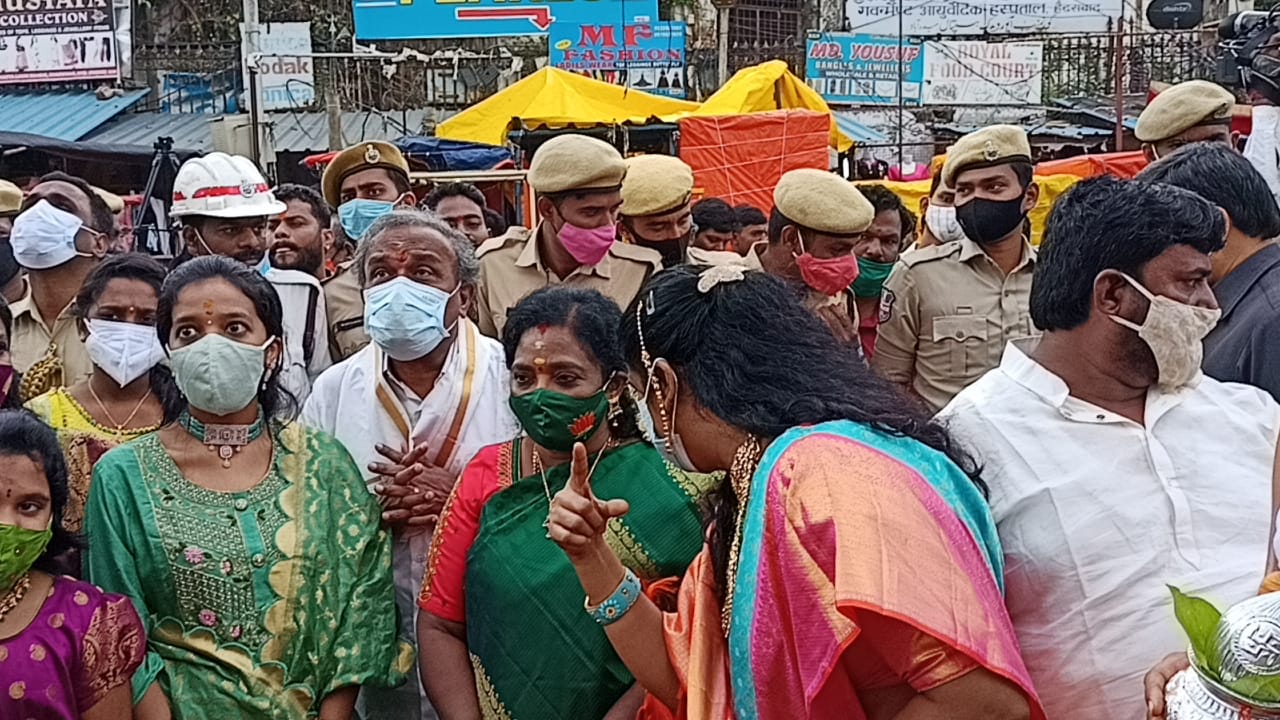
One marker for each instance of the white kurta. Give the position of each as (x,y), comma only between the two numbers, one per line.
(1097,514)
(346,401)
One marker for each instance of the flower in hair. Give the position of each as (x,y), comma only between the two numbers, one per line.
(717,274)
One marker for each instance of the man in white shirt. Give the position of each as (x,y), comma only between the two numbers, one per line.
(1115,467)
(416,404)
(224,203)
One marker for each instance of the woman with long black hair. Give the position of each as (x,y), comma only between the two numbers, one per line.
(852,567)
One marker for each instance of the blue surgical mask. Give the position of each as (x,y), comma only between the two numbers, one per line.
(406,318)
(357,215)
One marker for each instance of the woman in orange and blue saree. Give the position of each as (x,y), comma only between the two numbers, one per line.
(852,568)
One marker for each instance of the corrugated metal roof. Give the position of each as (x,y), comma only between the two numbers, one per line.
(857,132)
(294,132)
(64,114)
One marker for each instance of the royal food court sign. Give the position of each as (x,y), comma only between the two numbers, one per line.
(442,19)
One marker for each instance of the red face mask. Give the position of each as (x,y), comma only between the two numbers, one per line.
(829,276)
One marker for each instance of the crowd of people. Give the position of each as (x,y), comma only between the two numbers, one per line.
(360,453)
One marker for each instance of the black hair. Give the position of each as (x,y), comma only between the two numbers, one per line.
(22,434)
(935,182)
(793,371)
(885,200)
(104,221)
(143,268)
(455,189)
(715,214)
(594,321)
(277,403)
(1219,174)
(1108,224)
(749,215)
(495,222)
(777,221)
(313,199)
(1025,172)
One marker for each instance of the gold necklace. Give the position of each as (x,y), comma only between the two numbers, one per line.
(120,427)
(15,595)
(745,460)
(546,487)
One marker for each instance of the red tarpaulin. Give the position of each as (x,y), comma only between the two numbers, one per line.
(739,158)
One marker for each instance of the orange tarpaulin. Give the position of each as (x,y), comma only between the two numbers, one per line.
(1124,165)
(739,158)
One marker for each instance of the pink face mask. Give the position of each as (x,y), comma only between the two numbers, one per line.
(829,276)
(587,245)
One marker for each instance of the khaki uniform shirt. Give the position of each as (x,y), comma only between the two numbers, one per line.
(945,316)
(510,269)
(32,338)
(344,303)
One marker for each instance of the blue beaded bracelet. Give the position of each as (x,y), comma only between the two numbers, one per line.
(612,608)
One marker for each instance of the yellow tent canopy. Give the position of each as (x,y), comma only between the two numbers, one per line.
(769,86)
(555,98)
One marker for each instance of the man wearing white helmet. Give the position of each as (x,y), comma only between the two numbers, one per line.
(223,203)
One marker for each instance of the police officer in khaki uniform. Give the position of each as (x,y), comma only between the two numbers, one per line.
(12,281)
(578,181)
(657,209)
(1189,112)
(376,175)
(816,222)
(948,310)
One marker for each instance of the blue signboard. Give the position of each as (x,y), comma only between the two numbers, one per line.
(645,56)
(432,19)
(849,69)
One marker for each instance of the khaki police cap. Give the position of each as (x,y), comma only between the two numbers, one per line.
(655,184)
(365,156)
(114,202)
(575,162)
(1182,107)
(823,201)
(990,146)
(10,198)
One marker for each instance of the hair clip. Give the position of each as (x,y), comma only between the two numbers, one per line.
(717,274)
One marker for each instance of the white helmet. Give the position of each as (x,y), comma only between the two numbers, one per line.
(222,185)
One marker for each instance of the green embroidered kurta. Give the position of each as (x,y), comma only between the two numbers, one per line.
(258,604)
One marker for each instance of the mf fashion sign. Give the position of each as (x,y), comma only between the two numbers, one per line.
(645,56)
(430,19)
(863,69)
(978,73)
(57,41)
(922,18)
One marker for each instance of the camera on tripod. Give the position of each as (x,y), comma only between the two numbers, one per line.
(1244,38)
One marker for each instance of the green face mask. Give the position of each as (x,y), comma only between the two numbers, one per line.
(556,421)
(19,550)
(871,277)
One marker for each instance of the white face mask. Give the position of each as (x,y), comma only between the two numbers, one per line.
(44,237)
(1175,333)
(942,222)
(125,351)
(671,447)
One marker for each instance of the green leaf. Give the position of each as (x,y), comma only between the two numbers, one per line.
(1199,619)
(1257,689)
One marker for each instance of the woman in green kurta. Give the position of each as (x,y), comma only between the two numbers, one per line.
(502,632)
(250,545)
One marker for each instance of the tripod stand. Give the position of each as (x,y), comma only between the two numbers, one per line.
(164,168)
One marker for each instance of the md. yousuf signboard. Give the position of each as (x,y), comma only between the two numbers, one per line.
(440,19)
(57,41)
(645,56)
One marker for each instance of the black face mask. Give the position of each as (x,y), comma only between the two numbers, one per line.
(672,251)
(8,265)
(988,221)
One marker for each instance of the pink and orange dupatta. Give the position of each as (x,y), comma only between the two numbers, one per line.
(841,518)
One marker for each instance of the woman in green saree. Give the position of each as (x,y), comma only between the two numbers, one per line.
(502,632)
(249,545)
